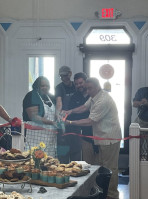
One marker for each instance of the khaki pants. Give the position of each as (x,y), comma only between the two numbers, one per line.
(88,154)
(108,157)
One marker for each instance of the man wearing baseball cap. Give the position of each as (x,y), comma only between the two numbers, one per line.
(65,89)
(63,93)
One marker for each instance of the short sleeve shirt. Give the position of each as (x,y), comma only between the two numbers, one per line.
(32,99)
(65,92)
(103,113)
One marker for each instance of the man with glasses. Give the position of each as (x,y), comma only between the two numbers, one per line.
(63,93)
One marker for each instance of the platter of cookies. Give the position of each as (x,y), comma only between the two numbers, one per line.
(25,179)
(82,173)
(14,155)
(13,195)
(73,168)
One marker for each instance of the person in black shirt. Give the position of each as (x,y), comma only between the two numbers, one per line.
(65,89)
(33,102)
(140,102)
(63,93)
(89,150)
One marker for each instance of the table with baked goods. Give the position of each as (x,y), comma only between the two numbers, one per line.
(83,186)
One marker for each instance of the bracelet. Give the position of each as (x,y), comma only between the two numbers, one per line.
(70,122)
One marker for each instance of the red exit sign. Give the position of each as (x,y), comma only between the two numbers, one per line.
(107,13)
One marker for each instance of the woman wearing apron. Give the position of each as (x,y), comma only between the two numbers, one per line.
(39,110)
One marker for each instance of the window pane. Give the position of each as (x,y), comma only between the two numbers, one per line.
(108,36)
(41,66)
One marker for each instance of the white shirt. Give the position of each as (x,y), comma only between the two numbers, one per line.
(104,114)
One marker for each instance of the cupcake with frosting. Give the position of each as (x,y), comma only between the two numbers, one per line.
(35,173)
(60,178)
(51,177)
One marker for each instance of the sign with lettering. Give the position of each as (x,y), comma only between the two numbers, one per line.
(108,36)
(108,13)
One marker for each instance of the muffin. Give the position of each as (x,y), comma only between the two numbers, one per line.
(67,176)
(19,170)
(35,173)
(44,176)
(51,177)
(2,169)
(60,179)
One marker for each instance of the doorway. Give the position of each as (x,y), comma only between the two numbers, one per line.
(116,84)
(112,47)
(120,86)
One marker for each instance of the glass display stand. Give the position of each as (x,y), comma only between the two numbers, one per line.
(7,162)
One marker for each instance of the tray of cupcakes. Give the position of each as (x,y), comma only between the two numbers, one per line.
(50,176)
(18,167)
(12,174)
(51,179)
(54,174)
(73,168)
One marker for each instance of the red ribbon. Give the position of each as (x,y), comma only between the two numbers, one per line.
(100,138)
(16,122)
(4,125)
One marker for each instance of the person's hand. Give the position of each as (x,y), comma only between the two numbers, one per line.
(144,101)
(67,122)
(55,124)
(66,113)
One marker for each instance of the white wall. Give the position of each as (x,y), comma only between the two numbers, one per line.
(2,65)
(67,9)
(61,40)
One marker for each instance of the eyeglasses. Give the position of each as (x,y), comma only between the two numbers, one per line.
(61,76)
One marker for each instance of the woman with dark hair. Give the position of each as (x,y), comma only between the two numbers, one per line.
(39,110)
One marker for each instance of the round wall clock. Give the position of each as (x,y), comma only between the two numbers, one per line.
(106,71)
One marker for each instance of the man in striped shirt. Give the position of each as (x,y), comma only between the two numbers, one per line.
(104,119)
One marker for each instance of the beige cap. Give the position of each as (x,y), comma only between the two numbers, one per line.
(64,70)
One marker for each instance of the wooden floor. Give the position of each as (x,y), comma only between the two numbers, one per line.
(124,191)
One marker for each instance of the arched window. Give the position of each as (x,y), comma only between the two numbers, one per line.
(107,36)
